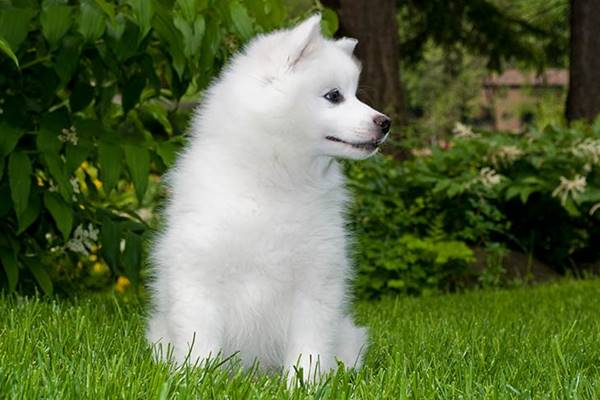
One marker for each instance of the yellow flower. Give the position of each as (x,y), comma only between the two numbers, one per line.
(122,284)
(99,268)
(97,182)
(85,165)
(93,257)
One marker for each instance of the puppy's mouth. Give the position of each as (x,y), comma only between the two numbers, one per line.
(370,145)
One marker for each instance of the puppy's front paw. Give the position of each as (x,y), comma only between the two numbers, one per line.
(305,370)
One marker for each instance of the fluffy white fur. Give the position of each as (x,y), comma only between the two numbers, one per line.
(254,255)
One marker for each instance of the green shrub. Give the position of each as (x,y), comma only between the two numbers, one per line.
(90,95)
(538,193)
(400,247)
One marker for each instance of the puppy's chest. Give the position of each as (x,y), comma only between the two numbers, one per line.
(294,229)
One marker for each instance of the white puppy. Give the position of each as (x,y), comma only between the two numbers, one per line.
(254,255)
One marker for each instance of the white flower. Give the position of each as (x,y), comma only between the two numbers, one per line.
(573,188)
(77,246)
(462,130)
(422,152)
(75,183)
(588,150)
(69,135)
(52,187)
(594,208)
(83,239)
(506,154)
(489,177)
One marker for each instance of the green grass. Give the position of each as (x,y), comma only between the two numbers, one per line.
(541,342)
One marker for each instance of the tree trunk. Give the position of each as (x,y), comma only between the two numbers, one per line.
(583,100)
(373,23)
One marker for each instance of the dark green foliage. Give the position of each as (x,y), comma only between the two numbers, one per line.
(402,245)
(537,193)
(89,103)
(531,32)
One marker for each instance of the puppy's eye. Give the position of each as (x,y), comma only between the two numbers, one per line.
(334,96)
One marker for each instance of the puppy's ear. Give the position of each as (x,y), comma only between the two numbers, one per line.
(347,44)
(304,38)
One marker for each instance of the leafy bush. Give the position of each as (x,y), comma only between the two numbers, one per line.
(90,96)
(400,247)
(538,193)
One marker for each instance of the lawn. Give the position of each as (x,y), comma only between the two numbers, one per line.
(541,342)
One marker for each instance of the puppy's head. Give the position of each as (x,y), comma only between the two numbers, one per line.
(303,89)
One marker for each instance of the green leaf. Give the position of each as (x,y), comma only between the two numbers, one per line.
(109,237)
(124,43)
(329,22)
(511,192)
(40,275)
(92,21)
(132,257)
(189,9)
(116,26)
(132,91)
(109,156)
(162,23)
(31,213)
(81,96)
(143,11)
(19,177)
(47,141)
(57,169)
(61,213)
(276,13)
(167,150)
(6,205)
(51,126)
(525,193)
(591,195)
(138,162)
(56,19)
(107,8)
(396,283)
(160,114)
(67,59)
(571,208)
(210,44)
(75,155)
(11,267)
(9,136)
(14,25)
(241,20)
(5,48)
(192,35)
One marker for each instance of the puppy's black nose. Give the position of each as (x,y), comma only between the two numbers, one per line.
(383,122)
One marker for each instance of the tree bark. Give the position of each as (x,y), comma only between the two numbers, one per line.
(373,23)
(583,100)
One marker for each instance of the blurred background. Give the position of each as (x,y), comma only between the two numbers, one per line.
(491,177)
